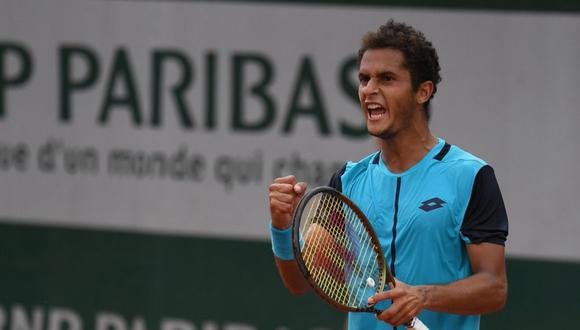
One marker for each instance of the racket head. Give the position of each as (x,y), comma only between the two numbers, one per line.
(338,251)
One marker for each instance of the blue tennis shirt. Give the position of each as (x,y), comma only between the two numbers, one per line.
(424,217)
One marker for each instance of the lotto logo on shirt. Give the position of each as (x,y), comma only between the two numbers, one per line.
(432,204)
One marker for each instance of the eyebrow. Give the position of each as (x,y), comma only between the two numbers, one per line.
(380,74)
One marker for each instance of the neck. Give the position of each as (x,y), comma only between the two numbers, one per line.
(408,147)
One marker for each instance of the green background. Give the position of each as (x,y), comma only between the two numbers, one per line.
(200,279)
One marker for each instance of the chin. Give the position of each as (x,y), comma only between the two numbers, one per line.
(383,135)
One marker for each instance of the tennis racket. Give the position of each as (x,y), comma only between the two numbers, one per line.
(339,253)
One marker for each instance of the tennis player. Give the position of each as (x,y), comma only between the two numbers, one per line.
(437,209)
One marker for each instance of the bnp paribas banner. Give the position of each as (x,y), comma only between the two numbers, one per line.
(138,138)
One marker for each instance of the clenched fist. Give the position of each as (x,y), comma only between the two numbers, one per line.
(285,193)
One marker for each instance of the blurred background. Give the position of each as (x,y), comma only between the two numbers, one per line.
(138,138)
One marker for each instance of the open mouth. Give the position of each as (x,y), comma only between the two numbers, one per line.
(376,111)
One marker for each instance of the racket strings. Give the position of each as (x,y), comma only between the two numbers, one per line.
(326,266)
(338,251)
(365,256)
(354,244)
(355,278)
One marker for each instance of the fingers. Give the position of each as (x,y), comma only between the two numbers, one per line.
(403,316)
(385,295)
(287,193)
(400,312)
(290,179)
(278,207)
(407,303)
(284,194)
(300,188)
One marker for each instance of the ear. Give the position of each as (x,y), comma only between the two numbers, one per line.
(424,92)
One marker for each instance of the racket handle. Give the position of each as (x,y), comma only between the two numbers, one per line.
(416,324)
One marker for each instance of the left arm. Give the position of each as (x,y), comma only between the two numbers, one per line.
(483,292)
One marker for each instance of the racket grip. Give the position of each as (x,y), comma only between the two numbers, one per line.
(416,324)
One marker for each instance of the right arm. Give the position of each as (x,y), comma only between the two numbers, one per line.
(284,195)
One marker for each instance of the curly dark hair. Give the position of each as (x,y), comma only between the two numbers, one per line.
(420,56)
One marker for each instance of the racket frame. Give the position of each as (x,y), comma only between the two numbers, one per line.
(384,272)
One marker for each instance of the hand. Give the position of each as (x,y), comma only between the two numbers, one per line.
(408,302)
(285,193)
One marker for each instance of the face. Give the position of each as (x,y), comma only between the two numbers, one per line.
(385,92)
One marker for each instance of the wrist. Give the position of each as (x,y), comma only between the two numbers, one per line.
(279,225)
(281,222)
(425,295)
(282,242)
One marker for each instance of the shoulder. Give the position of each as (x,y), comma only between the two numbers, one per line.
(351,170)
(457,159)
(484,214)
(459,168)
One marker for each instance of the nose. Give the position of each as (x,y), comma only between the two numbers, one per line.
(370,88)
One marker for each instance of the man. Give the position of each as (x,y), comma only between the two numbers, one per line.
(437,209)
